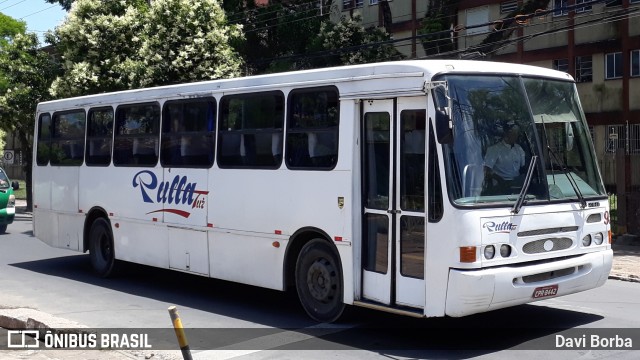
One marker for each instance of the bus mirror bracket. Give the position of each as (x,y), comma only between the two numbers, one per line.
(443,105)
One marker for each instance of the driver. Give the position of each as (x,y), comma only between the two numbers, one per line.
(504,159)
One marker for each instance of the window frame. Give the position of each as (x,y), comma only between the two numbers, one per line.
(556,65)
(222,120)
(46,141)
(300,130)
(209,100)
(87,157)
(579,60)
(637,62)
(117,136)
(58,140)
(617,67)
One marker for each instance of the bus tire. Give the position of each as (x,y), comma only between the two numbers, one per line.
(3,228)
(319,281)
(101,249)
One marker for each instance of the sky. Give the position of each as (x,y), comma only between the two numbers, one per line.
(39,15)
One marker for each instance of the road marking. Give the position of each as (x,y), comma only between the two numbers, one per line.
(269,342)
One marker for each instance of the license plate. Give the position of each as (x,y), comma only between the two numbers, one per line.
(545,291)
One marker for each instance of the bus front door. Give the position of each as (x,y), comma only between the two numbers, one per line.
(393,171)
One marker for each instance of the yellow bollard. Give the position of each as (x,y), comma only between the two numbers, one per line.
(182,338)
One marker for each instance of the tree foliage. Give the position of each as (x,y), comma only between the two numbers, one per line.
(187,41)
(66,4)
(30,72)
(109,45)
(438,18)
(348,42)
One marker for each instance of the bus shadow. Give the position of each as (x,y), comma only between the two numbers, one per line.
(526,327)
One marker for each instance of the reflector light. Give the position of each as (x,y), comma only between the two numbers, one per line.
(468,254)
(610,241)
(275,244)
(338,238)
(278,232)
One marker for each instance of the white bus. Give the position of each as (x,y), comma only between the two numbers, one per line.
(363,185)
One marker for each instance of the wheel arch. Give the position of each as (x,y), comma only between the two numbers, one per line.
(92,215)
(295,245)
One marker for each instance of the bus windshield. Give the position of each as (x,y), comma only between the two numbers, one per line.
(503,123)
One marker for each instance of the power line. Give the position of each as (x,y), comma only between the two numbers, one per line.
(10,6)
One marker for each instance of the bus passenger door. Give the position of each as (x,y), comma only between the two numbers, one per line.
(393,169)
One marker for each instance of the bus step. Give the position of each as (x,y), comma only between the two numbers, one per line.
(416,313)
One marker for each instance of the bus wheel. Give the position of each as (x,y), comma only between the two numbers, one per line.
(3,228)
(319,281)
(101,248)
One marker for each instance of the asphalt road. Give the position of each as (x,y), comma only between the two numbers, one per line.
(269,324)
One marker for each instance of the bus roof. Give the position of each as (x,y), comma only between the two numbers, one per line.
(424,69)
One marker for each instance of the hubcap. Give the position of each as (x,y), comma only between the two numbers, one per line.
(320,279)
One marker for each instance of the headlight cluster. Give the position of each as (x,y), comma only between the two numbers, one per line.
(12,201)
(490,251)
(590,239)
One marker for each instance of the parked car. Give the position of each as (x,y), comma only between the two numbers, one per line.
(7,200)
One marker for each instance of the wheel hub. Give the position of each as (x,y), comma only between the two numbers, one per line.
(320,280)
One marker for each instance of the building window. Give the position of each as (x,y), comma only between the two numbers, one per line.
(583,69)
(635,62)
(613,65)
(611,3)
(508,6)
(475,17)
(583,8)
(350,4)
(561,65)
(373,2)
(251,131)
(560,8)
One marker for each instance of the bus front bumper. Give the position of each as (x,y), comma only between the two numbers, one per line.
(476,291)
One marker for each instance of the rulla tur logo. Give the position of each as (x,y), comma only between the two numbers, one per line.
(178,191)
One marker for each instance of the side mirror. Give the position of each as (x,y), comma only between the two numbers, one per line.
(15,185)
(443,109)
(444,130)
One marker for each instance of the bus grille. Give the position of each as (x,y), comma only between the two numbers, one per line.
(548,231)
(548,275)
(546,245)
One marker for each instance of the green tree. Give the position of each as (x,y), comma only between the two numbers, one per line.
(110,45)
(438,18)
(9,27)
(98,44)
(66,4)
(30,72)
(186,40)
(348,43)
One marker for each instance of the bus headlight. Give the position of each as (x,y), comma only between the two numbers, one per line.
(598,238)
(505,250)
(489,252)
(586,241)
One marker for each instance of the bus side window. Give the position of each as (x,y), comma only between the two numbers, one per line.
(99,136)
(67,138)
(188,133)
(136,135)
(44,140)
(251,130)
(312,129)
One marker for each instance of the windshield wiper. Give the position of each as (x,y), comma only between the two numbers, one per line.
(563,167)
(567,173)
(525,186)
